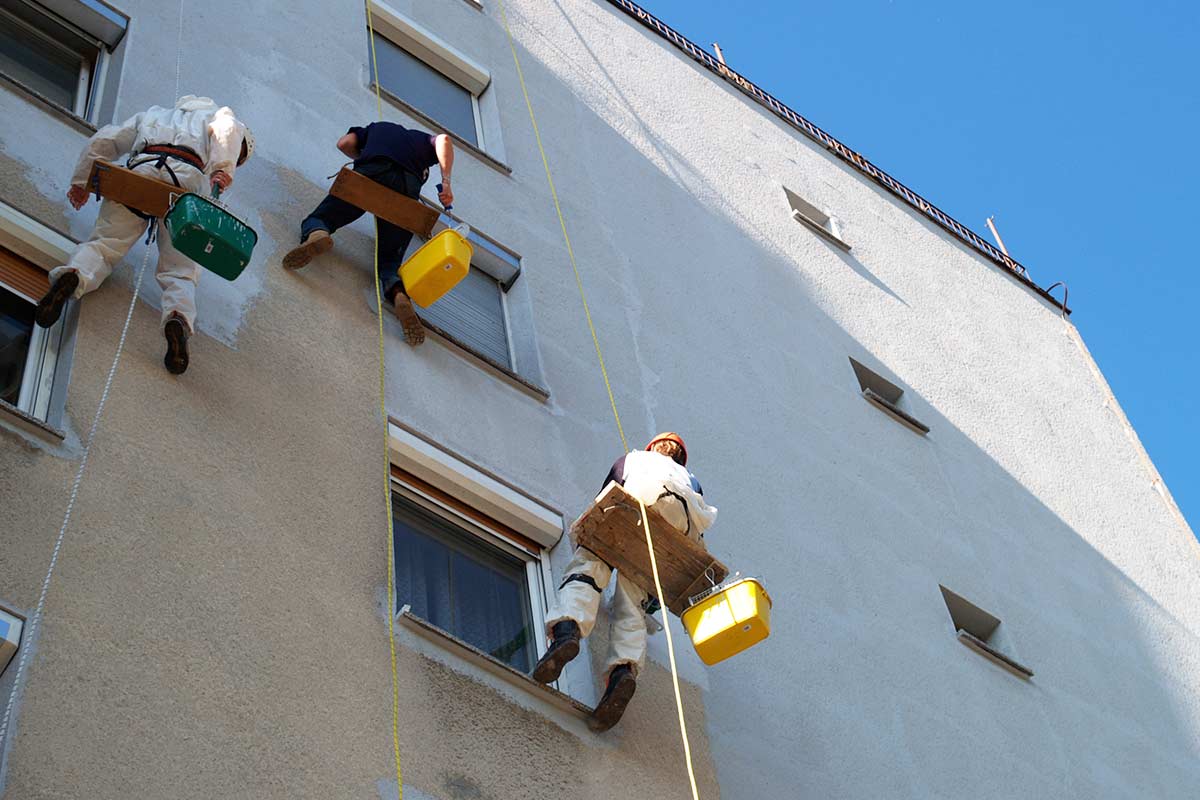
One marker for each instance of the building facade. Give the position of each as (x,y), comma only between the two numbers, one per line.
(906,437)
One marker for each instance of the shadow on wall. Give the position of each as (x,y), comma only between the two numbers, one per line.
(863,689)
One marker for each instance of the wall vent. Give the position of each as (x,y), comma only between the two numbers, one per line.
(976,629)
(806,213)
(885,395)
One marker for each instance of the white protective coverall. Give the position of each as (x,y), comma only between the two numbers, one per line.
(198,123)
(662,484)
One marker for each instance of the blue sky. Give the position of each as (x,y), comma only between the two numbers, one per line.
(1075,124)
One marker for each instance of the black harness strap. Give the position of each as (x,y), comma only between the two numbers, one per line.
(578,577)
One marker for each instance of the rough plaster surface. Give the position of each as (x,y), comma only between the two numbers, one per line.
(213,629)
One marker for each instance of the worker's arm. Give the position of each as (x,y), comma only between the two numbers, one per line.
(107,143)
(444,148)
(616,474)
(224,147)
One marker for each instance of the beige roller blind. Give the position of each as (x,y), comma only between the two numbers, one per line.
(21,275)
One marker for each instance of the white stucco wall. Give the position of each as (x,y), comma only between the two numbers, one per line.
(724,319)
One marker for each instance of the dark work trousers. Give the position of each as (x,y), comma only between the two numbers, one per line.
(333,213)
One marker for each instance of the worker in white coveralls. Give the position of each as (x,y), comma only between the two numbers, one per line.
(194,145)
(659,478)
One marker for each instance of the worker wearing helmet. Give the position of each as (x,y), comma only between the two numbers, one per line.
(659,478)
(193,145)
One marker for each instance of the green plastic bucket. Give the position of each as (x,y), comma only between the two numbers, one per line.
(210,235)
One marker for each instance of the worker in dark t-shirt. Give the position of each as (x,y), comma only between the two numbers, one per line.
(400,159)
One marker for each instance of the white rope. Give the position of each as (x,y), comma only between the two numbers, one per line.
(29,635)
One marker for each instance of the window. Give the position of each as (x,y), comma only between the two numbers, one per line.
(808,214)
(10,637)
(977,629)
(474,313)
(465,577)
(428,75)
(59,49)
(885,395)
(28,353)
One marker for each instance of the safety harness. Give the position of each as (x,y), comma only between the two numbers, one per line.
(159,155)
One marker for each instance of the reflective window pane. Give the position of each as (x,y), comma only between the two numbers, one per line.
(45,55)
(425,89)
(16,331)
(458,582)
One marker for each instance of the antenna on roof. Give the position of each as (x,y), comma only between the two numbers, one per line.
(720,55)
(996,233)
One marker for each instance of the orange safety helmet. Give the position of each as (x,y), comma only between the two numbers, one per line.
(670,437)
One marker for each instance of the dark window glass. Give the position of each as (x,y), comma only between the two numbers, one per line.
(458,582)
(47,56)
(16,331)
(425,89)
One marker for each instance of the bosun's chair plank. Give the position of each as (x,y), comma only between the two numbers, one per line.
(387,204)
(132,189)
(612,529)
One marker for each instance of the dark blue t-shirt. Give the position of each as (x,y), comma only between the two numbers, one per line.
(412,150)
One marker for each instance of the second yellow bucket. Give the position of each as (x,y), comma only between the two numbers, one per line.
(437,267)
(730,619)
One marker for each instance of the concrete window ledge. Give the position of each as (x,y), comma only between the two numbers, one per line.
(989,652)
(493,666)
(11,416)
(74,120)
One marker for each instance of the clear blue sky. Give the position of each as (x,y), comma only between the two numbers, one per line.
(1076,123)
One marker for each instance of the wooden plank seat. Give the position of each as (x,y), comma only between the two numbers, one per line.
(132,189)
(611,528)
(386,204)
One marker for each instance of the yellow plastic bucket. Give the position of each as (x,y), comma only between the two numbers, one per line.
(729,620)
(436,268)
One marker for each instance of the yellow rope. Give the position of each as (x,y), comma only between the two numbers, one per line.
(387,458)
(687,750)
(563,225)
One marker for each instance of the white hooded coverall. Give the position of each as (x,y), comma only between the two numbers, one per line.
(661,484)
(215,134)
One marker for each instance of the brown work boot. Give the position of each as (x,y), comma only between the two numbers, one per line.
(50,307)
(314,244)
(176,359)
(621,686)
(414,331)
(564,648)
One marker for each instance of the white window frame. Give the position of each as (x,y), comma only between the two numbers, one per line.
(46,248)
(91,81)
(439,56)
(537,562)
(37,382)
(493,499)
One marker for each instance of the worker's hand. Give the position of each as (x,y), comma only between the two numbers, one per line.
(78,195)
(446,195)
(221,178)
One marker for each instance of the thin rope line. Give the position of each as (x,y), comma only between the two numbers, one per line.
(687,748)
(29,635)
(387,458)
(563,225)
(178,55)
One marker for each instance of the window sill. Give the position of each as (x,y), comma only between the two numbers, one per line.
(820,229)
(500,371)
(985,650)
(495,164)
(11,416)
(70,117)
(493,666)
(891,408)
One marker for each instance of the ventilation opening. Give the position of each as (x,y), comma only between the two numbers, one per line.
(805,212)
(977,629)
(885,395)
